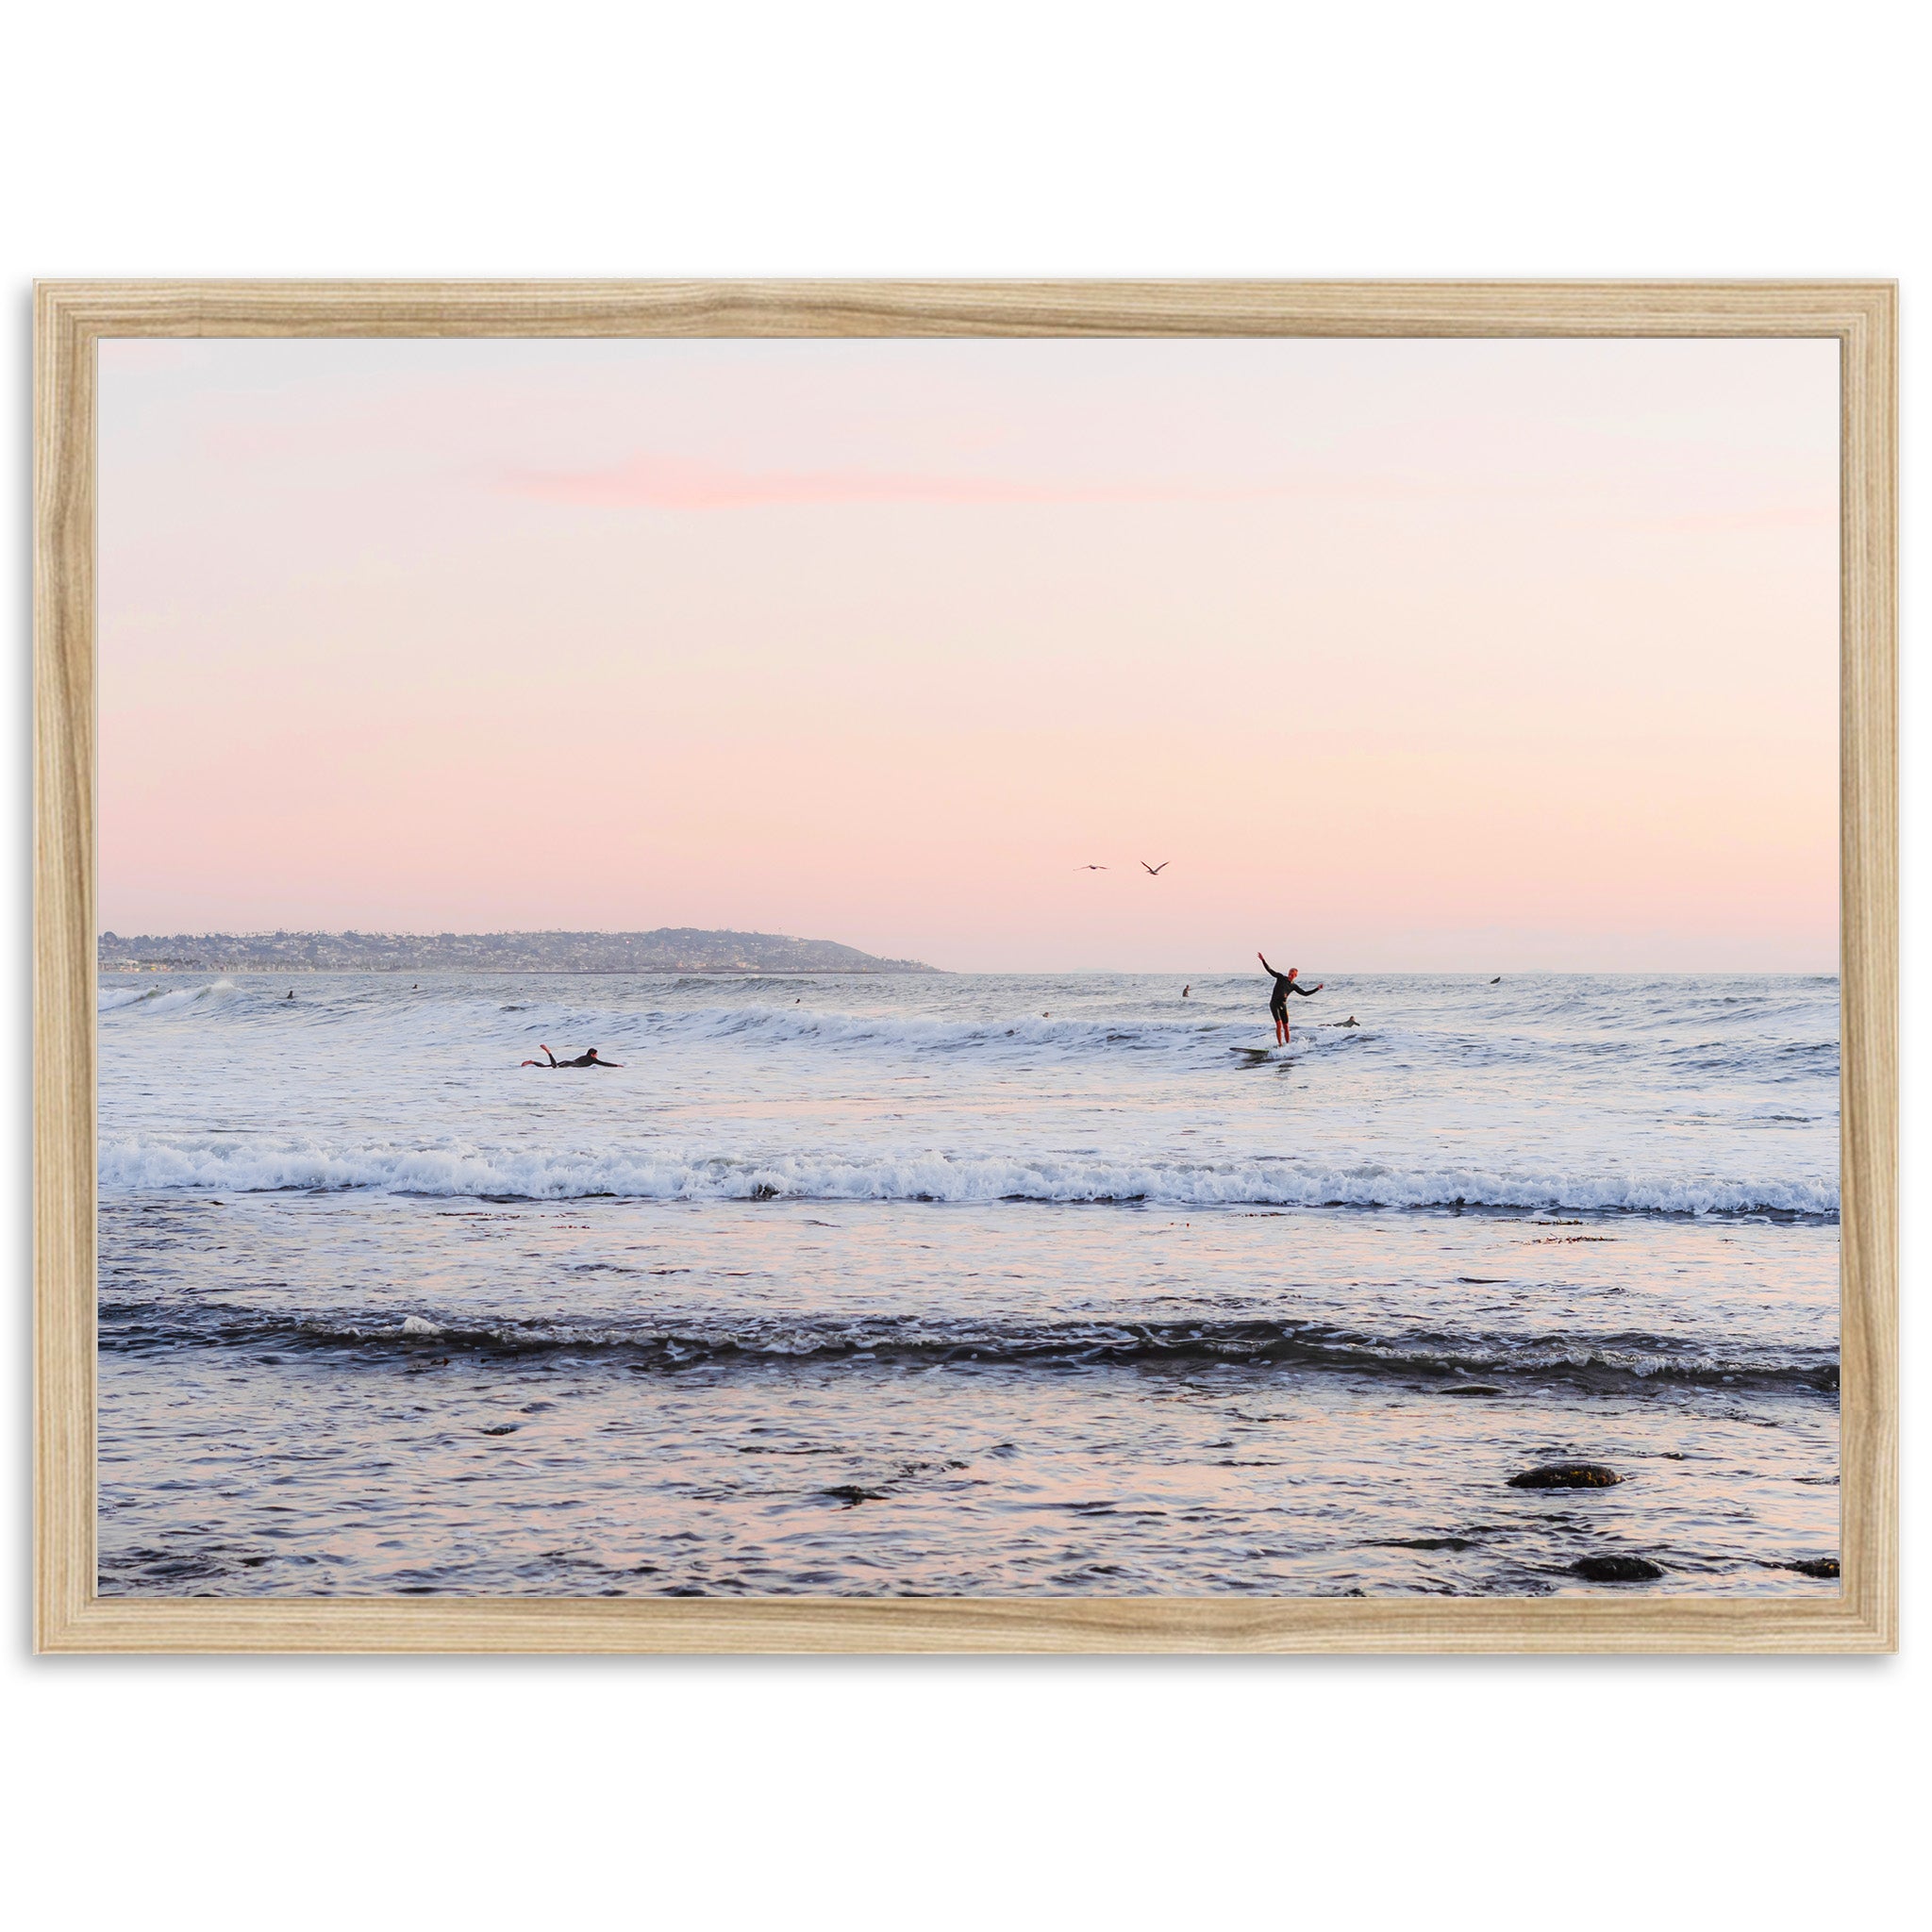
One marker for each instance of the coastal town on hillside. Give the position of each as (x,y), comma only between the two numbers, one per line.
(669,949)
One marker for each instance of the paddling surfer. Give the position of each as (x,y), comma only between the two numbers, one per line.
(584,1060)
(1285,983)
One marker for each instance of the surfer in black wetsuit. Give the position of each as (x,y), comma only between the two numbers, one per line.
(1285,983)
(584,1059)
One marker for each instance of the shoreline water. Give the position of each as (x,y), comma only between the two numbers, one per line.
(324,1375)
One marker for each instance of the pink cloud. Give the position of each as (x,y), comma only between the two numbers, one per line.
(658,482)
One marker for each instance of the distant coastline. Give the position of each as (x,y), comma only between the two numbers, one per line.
(667,949)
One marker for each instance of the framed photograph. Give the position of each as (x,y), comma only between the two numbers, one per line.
(958,966)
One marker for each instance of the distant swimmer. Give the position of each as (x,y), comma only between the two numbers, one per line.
(1285,983)
(1497,981)
(291,992)
(1351,1021)
(1154,872)
(584,1060)
(1184,990)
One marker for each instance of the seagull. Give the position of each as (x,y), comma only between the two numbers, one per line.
(1089,868)
(1154,872)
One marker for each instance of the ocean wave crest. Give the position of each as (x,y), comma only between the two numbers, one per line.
(142,1163)
(160,997)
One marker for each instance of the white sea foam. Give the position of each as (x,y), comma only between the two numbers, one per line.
(140,1163)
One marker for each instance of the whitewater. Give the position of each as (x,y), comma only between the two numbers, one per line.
(1023,1283)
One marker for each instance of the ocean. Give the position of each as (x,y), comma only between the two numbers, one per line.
(967,1284)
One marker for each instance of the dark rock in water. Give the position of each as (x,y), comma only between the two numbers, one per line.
(1475,1389)
(1426,1543)
(1566,1475)
(501,1429)
(1617,1568)
(1815,1566)
(852,1495)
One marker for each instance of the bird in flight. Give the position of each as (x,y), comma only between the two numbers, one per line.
(1154,872)
(1089,868)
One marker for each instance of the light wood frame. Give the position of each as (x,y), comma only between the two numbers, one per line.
(72,316)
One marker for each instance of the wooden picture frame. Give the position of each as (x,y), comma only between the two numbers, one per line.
(71,317)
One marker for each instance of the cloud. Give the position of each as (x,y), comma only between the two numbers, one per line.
(658,482)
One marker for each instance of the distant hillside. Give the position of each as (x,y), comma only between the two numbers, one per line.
(670,949)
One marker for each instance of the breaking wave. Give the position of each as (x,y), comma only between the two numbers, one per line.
(145,1163)
(161,997)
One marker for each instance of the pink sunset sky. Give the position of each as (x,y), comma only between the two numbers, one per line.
(1458,656)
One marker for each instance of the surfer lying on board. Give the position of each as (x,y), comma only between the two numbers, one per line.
(586,1060)
(1277,1000)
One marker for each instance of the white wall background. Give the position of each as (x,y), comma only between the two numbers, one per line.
(1487,138)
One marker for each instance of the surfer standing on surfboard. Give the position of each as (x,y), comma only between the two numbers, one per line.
(1278,1001)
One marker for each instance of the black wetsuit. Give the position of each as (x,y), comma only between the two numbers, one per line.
(1277,1000)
